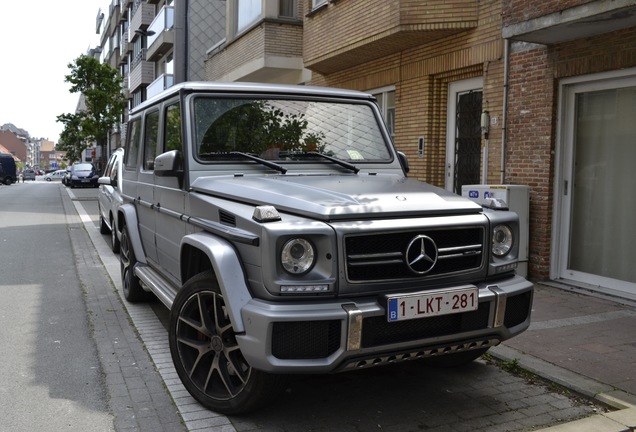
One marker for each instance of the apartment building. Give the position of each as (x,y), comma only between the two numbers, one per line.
(156,43)
(572,136)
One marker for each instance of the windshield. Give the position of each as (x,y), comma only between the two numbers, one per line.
(279,129)
(82,167)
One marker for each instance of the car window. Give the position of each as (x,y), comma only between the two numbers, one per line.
(173,128)
(277,129)
(151,135)
(82,167)
(134,136)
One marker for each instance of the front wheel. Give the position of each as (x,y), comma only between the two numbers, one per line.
(207,356)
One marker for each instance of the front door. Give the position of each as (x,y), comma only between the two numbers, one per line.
(595,236)
(463,138)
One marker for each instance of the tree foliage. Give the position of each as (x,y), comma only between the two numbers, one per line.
(100,87)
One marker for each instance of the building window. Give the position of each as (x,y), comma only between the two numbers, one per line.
(386,102)
(286,8)
(316,3)
(248,12)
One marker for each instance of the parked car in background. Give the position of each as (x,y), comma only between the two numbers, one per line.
(57,175)
(109,198)
(8,173)
(82,174)
(28,174)
(67,177)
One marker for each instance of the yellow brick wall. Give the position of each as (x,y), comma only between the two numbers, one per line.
(421,76)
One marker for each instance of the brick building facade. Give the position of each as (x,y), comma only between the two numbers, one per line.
(572,91)
(436,66)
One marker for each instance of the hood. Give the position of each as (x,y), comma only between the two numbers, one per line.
(341,197)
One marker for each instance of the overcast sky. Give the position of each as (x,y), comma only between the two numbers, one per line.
(38,39)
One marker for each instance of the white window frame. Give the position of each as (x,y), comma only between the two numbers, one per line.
(384,108)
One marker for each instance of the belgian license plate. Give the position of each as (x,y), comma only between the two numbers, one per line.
(403,307)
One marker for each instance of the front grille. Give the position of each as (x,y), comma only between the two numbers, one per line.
(305,339)
(383,256)
(517,309)
(377,331)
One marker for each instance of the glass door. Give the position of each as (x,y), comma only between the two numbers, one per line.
(463,138)
(598,230)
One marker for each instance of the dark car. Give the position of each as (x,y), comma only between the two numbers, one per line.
(82,175)
(8,172)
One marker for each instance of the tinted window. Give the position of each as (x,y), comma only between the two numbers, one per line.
(151,136)
(173,128)
(134,135)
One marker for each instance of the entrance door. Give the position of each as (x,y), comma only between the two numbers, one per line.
(463,137)
(596,236)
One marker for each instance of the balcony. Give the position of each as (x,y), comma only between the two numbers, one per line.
(161,34)
(270,52)
(142,15)
(159,85)
(126,46)
(340,35)
(124,9)
(141,72)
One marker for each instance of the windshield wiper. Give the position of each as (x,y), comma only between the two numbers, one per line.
(262,161)
(342,163)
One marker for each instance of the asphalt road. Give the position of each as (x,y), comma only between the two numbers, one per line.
(405,397)
(50,374)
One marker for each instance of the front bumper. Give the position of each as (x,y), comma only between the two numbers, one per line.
(338,335)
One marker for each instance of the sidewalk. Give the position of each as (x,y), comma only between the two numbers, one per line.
(587,344)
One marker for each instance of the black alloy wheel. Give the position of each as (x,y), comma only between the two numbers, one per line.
(207,356)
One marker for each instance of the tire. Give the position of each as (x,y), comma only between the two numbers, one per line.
(103,228)
(48,179)
(114,241)
(133,292)
(206,354)
(455,359)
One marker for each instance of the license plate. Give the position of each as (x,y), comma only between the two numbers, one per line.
(84,180)
(403,307)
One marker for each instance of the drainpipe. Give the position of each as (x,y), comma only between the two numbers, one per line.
(504,114)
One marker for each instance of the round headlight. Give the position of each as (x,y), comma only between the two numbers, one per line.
(501,240)
(297,256)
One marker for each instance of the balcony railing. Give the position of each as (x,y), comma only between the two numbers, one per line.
(138,58)
(164,21)
(159,85)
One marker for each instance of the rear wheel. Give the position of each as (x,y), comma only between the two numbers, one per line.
(207,356)
(130,283)
(114,241)
(103,228)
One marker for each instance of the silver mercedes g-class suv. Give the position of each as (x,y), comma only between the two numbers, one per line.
(279,226)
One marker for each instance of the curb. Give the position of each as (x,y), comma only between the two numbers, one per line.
(622,420)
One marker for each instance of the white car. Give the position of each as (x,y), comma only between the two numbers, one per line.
(55,175)
(109,198)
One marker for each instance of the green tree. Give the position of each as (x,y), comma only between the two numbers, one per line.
(100,86)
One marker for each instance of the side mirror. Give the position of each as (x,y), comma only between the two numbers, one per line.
(107,181)
(403,161)
(169,164)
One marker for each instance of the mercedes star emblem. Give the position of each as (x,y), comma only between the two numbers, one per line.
(421,254)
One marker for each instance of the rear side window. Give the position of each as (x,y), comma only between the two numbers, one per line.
(134,135)
(151,135)
(173,128)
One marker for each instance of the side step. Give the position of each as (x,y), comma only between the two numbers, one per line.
(155,283)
